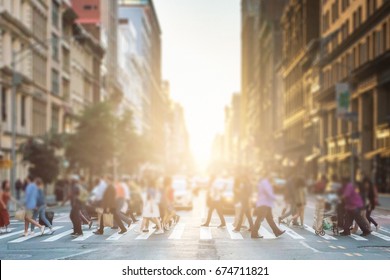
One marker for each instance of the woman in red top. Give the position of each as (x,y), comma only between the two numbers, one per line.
(5,197)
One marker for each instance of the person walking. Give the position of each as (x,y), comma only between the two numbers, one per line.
(41,207)
(371,193)
(300,201)
(75,206)
(168,197)
(215,201)
(264,204)
(353,204)
(109,206)
(30,204)
(245,201)
(151,211)
(122,198)
(5,197)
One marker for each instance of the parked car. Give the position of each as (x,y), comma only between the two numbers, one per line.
(226,186)
(182,194)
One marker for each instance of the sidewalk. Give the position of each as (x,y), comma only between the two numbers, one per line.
(384,202)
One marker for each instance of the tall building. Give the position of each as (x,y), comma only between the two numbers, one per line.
(261,52)
(44,39)
(300,51)
(148,48)
(232,132)
(131,73)
(100,18)
(356,46)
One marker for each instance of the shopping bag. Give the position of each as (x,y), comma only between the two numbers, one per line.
(20,214)
(108,220)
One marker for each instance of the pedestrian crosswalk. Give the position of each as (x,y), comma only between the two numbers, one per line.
(182,231)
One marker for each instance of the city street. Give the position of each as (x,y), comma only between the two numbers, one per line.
(188,241)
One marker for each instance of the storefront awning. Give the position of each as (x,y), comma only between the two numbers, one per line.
(372,154)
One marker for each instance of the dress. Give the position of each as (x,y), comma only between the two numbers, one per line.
(151,209)
(4,215)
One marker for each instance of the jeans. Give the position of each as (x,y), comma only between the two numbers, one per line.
(119,204)
(264,212)
(41,212)
(76,221)
(354,214)
(217,205)
(245,210)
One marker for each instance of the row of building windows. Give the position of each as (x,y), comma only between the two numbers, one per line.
(4,107)
(374,45)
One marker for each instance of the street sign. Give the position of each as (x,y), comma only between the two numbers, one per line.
(343,99)
(5,164)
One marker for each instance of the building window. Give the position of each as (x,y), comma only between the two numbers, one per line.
(23,111)
(384,32)
(54,119)
(371,7)
(363,53)
(39,25)
(39,118)
(55,10)
(335,11)
(378,44)
(55,47)
(4,104)
(55,82)
(39,69)
(344,5)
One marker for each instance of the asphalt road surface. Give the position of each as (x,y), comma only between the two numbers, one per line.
(189,241)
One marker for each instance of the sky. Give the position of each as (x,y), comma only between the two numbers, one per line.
(201,60)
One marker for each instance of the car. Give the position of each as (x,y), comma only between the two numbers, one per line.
(227,199)
(182,194)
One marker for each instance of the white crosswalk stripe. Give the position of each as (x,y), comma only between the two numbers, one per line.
(266,234)
(145,235)
(85,236)
(291,233)
(381,236)
(233,235)
(6,235)
(58,236)
(116,236)
(205,233)
(326,236)
(30,236)
(358,238)
(178,231)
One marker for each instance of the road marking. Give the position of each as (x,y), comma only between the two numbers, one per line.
(348,254)
(9,231)
(357,237)
(326,236)
(24,238)
(205,233)
(381,236)
(357,254)
(58,236)
(383,216)
(86,235)
(307,246)
(233,235)
(145,235)
(384,229)
(6,235)
(178,231)
(116,236)
(292,233)
(267,235)
(341,247)
(77,254)
(333,247)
